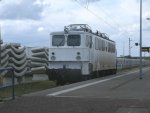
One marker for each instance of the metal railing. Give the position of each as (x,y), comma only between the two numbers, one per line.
(13,79)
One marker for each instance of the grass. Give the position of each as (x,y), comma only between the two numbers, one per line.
(26,88)
(122,71)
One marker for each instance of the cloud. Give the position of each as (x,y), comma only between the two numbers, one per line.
(30,22)
(87,1)
(22,9)
(31,35)
(40,29)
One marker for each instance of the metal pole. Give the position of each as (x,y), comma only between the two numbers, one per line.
(0,42)
(13,85)
(129,47)
(141,76)
(123,54)
(13,79)
(0,45)
(123,48)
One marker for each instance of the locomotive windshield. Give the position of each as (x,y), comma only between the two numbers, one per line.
(58,40)
(74,40)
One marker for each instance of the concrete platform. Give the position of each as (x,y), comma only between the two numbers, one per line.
(132,110)
(112,94)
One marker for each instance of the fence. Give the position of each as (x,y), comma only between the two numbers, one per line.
(13,79)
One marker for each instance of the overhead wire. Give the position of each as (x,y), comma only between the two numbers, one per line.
(100,18)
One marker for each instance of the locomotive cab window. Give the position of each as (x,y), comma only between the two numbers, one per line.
(58,40)
(74,40)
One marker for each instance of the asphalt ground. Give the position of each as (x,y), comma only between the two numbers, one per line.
(111,94)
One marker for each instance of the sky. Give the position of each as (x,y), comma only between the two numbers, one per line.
(30,22)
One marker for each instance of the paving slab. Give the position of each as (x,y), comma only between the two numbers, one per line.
(132,110)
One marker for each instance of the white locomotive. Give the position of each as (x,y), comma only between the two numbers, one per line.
(78,53)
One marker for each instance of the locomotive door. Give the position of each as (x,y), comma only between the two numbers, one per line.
(89,44)
(91,49)
(91,55)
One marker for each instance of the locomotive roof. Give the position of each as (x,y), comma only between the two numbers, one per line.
(78,32)
(81,29)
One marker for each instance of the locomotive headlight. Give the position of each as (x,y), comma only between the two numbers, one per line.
(78,57)
(53,58)
(53,53)
(78,53)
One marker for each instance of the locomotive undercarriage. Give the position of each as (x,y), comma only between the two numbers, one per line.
(102,73)
(67,76)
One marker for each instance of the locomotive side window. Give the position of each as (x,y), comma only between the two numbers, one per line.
(103,45)
(74,40)
(96,43)
(58,40)
(106,46)
(88,41)
(100,44)
(111,48)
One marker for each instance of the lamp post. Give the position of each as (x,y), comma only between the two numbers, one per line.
(129,47)
(140,76)
(0,45)
(148,19)
(0,42)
